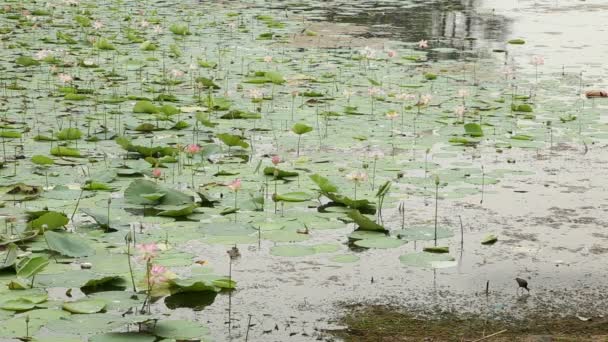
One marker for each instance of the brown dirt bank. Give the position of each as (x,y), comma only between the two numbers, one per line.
(383,323)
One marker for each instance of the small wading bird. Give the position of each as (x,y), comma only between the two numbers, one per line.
(522,284)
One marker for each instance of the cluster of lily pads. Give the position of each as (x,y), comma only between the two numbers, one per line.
(126,124)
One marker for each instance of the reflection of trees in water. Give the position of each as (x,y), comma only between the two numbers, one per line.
(407,21)
(450,19)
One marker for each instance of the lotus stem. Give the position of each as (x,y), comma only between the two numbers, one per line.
(193,188)
(78,203)
(27,326)
(44,228)
(236,209)
(109,205)
(275,193)
(248,326)
(128,237)
(149,290)
(436,206)
(374,173)
(299,137)
(461,233)
(483,181)
(230,296)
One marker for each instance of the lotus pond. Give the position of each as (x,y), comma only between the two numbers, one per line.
(240,170)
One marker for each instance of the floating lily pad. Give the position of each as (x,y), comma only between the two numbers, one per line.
(418,233)
(380,242)
(87,324)
(85,306)
(117,300)
(180,330)
(15,327)
(68,244)
(299,250)
(266,226)
(345,258)
(482,180)
(436,249)
(365,234)
(292,197)
(227,229)
(123,337)
(517,41)
(20,304)
(231,239)
(489,240)
(284,236)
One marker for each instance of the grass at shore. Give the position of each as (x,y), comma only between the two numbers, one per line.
(381,323)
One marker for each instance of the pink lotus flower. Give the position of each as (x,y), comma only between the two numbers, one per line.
(376,154)
(235,185)
(268,59)
(255,93)
(64,78)
(368,52)
(348,93)
(537,60)
(149,251)
(423,44)
(144,23)
(405,96)
(425,100)
(193,149)
(374,91)
(508,72)
(42,54)
(176,73)
(97,24)
(158,29)
(276,160)
(295,93)
(391,115)
(391,53)
(459,111)
(158,275)
(357,177)
(156,173)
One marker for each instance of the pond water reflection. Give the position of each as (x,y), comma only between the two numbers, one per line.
(451,23)
(559,29)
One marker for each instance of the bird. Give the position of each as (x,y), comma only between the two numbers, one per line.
(234,253)
(522,284)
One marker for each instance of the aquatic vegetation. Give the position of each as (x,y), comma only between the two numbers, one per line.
(132,131)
